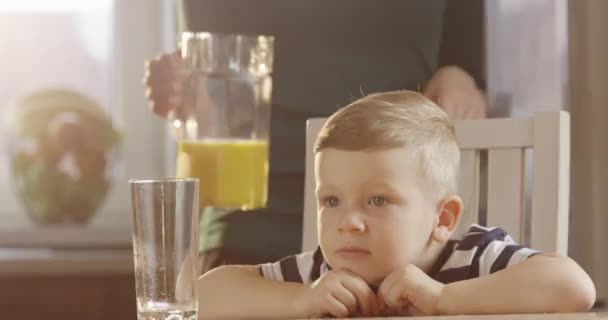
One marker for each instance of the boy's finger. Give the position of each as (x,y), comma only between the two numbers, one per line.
(336,308)
(380,300)
(393,297)
(346,297)
(365,296)
(384,288)
(413,311)
(380,303)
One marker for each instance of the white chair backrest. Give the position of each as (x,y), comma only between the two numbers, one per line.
(506,140)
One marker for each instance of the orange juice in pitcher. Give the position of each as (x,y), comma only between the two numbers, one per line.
(233,173)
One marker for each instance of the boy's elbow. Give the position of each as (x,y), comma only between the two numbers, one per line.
(582,296)
(587,300)
(578,300)
(577,289)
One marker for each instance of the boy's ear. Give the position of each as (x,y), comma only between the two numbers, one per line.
(450,209)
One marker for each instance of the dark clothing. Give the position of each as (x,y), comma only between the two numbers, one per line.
(327,54)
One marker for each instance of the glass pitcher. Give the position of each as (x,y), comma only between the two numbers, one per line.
(222,125)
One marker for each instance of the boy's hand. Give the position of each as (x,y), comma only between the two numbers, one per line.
(409,291)
(340,294)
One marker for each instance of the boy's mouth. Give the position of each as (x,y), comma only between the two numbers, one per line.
(352,252)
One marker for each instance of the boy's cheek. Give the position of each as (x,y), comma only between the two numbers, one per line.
(396,254)
(326,235)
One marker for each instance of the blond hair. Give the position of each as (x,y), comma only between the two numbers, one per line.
(397,119)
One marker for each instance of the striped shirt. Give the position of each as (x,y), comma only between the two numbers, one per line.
(479,252)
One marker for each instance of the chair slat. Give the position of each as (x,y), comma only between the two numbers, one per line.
(309,234)
(551,182)
(495,133)
(506,191)
(468,189)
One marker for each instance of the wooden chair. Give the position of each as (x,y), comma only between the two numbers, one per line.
(506,140)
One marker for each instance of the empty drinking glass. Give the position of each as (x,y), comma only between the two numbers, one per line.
(165,247)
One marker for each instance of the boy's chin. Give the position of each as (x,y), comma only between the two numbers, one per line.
(375,281)
(369,277)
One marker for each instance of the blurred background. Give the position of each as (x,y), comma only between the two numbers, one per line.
(75,127)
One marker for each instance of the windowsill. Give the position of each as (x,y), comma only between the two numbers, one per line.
(65,236)
(51,262)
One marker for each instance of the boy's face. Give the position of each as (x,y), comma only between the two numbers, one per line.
(373,215)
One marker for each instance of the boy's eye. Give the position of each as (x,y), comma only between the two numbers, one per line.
(332,202)
(377,201)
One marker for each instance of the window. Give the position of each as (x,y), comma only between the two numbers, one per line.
(95,48)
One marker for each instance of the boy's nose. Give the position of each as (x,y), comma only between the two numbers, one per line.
(352,222)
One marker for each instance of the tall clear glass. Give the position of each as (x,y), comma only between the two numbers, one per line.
(222,125)
(165,247)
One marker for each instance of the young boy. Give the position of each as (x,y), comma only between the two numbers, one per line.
(386,177)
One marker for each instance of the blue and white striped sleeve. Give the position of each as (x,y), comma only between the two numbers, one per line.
(301,268)
(481,251)
(500,252)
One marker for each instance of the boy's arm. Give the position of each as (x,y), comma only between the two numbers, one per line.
(540,284)
(240,292)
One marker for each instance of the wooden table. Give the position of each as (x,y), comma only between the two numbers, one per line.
(564,316)
(70,284)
